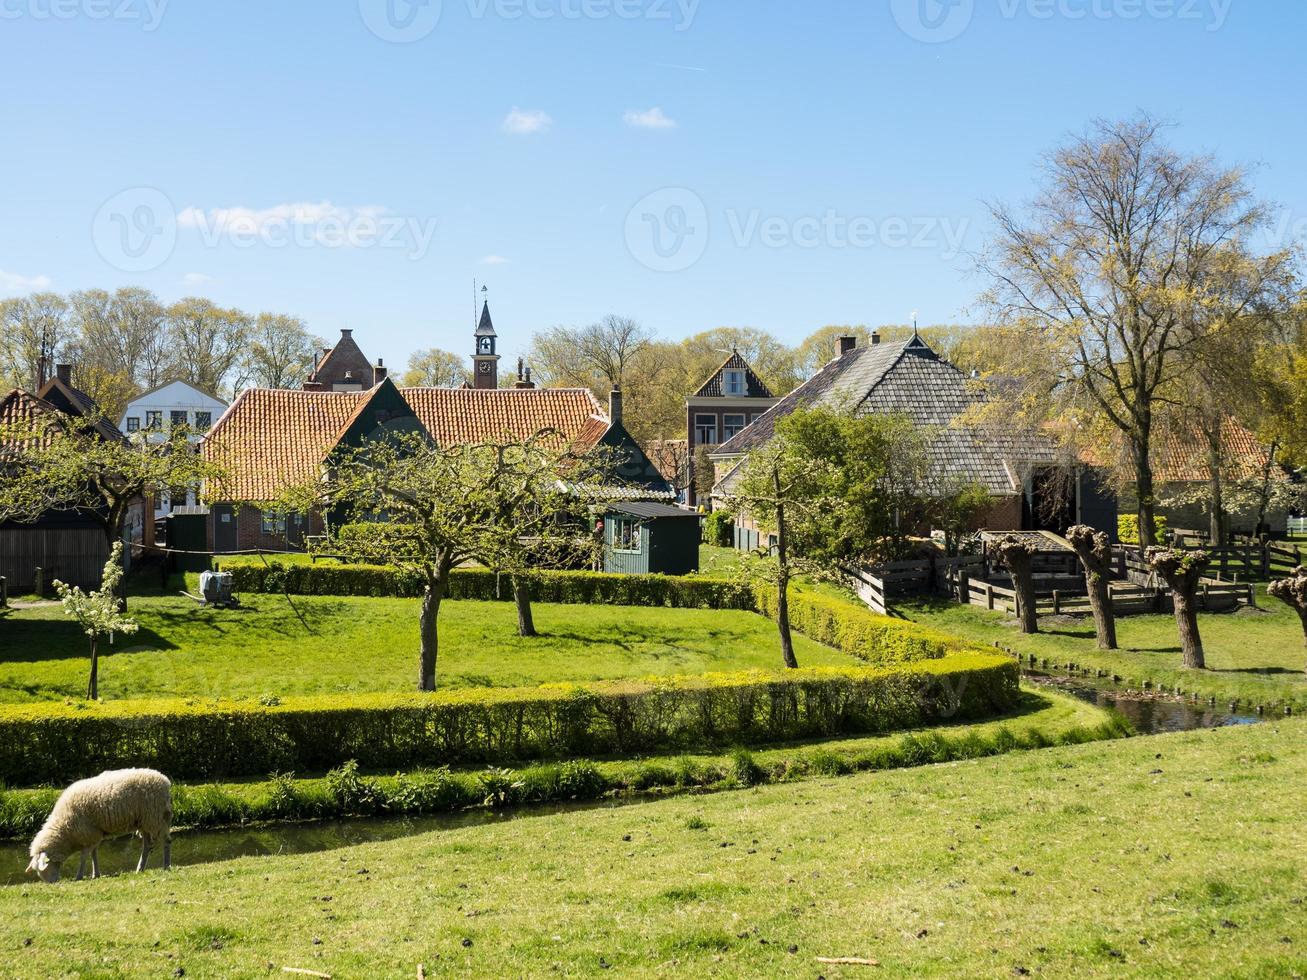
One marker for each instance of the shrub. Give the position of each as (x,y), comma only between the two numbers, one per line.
(719,529)
(1127,528)
(354,795)
(492,726)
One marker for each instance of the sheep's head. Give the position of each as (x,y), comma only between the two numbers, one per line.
(45,868)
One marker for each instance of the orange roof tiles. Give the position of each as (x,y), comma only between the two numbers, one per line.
(270,439)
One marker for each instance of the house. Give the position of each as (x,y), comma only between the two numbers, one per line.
(343,367)
(154,414)
(1031,488)
(68,545)
(634,475)
(731,398)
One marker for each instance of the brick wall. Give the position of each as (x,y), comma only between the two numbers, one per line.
(251,536)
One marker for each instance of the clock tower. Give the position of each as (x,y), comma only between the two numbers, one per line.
(485,360)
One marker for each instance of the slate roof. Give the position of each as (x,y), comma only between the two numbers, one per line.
(485,328)
(753,386)
(269,438)
(909,378)
(649,510)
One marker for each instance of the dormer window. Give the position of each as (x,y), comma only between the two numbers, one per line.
(733,382)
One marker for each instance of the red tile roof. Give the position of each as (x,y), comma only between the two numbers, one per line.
(270,438)
(1180,457)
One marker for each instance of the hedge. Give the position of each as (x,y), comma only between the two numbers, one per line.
(205,740)
(1127,528)
(478,583)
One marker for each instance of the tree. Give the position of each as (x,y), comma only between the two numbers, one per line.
(705,474)
(208,343)
(121,345)
(1094,549)
(280,352)
(1130,255)
(435,368)
(1183,571)
(97,612)
(36,332)
(1292,591)
(64,463)
(1017,555)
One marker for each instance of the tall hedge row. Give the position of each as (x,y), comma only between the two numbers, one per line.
(204,740)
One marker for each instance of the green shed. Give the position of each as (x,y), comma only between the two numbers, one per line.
(642,538)
(187,531)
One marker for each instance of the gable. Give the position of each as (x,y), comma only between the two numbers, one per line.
(632,467)
(715,386)
(381,410)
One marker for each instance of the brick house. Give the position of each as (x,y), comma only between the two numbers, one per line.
(731,398)
(1030,487)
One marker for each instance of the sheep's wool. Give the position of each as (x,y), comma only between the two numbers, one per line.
(121,801)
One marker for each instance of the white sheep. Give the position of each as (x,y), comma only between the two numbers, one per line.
(121,801)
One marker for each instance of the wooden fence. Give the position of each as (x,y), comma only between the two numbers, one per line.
(1298,526)
(72,555)
(1244,558)
(1126,599)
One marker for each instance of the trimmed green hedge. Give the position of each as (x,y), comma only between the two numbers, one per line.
(478,583)
(205,740)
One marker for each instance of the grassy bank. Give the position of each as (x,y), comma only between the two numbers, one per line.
(1255,655)
(322,645)
(1040,719)
(1169,855)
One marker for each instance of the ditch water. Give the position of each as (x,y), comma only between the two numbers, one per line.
(1148,714)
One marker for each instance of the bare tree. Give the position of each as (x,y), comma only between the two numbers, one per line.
(208,343)
(1131,253)
(1183,571)
(35,333)
(1292,591)
(435,368)
(280,351)
(1017,555)
(1094,549)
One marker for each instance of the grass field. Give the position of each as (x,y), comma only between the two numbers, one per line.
(1168,855)
(351,644)
(1256,655)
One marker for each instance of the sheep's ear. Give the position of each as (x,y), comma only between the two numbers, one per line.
(42,861)
(31,866)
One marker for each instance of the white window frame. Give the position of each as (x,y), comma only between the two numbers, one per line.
(698,425)
(626,535)
(734,382)
(727,428)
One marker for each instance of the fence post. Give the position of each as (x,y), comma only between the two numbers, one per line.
(964,587)
(1207,602)
(39,588)
(4,593)
(1266,559)
(1252,595)
(1057,602)
(989,595)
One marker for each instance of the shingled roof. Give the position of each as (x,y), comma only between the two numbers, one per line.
(753,386)
(909,378)
(270,439)
(55,398)
(1180,456)
(346,358)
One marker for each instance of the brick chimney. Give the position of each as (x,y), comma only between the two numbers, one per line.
(523,377)
(64,372)
(875,337)
(847,344)
(615,406)
(379,372)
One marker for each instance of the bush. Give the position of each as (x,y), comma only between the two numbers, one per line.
(1127,528)
(378,542)
(491,726)
(719,529)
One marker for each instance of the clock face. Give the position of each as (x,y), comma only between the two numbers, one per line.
(485,367)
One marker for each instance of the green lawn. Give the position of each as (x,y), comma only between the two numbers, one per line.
(1255,655)
(1172,855)
(359,644)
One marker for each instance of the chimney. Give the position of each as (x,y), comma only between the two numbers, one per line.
(847,344)
(529,382)
(875,337)
(615,406)
(379,372)
(64,372)
(346,334)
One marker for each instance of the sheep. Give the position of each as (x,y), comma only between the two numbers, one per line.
(114,803)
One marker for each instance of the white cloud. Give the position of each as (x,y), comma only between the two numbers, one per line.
(300,222)
(196,279)
(523,122)
(494,260)
(12,282)
(653,118)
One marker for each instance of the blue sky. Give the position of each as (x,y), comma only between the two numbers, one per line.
(808,162)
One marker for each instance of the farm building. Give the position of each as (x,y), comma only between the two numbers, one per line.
(644,537)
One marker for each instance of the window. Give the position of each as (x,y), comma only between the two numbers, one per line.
(705,430)
(133,423)
(154,420)
(626,534)
(177,419)
(202,421)
(754,416)
(733,383)
(731,424)
(273,522)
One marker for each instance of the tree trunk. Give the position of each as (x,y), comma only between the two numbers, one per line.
(429,635)
(1182,571)
(1094,549)
(522,598)
(1264,494)
(93,687)
(1293,592)
(1018,556)
(1215,490)
(1144,492)
(783,579)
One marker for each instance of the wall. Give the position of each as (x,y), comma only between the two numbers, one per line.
(251,537)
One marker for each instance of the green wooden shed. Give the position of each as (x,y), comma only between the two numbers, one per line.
(642,538)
